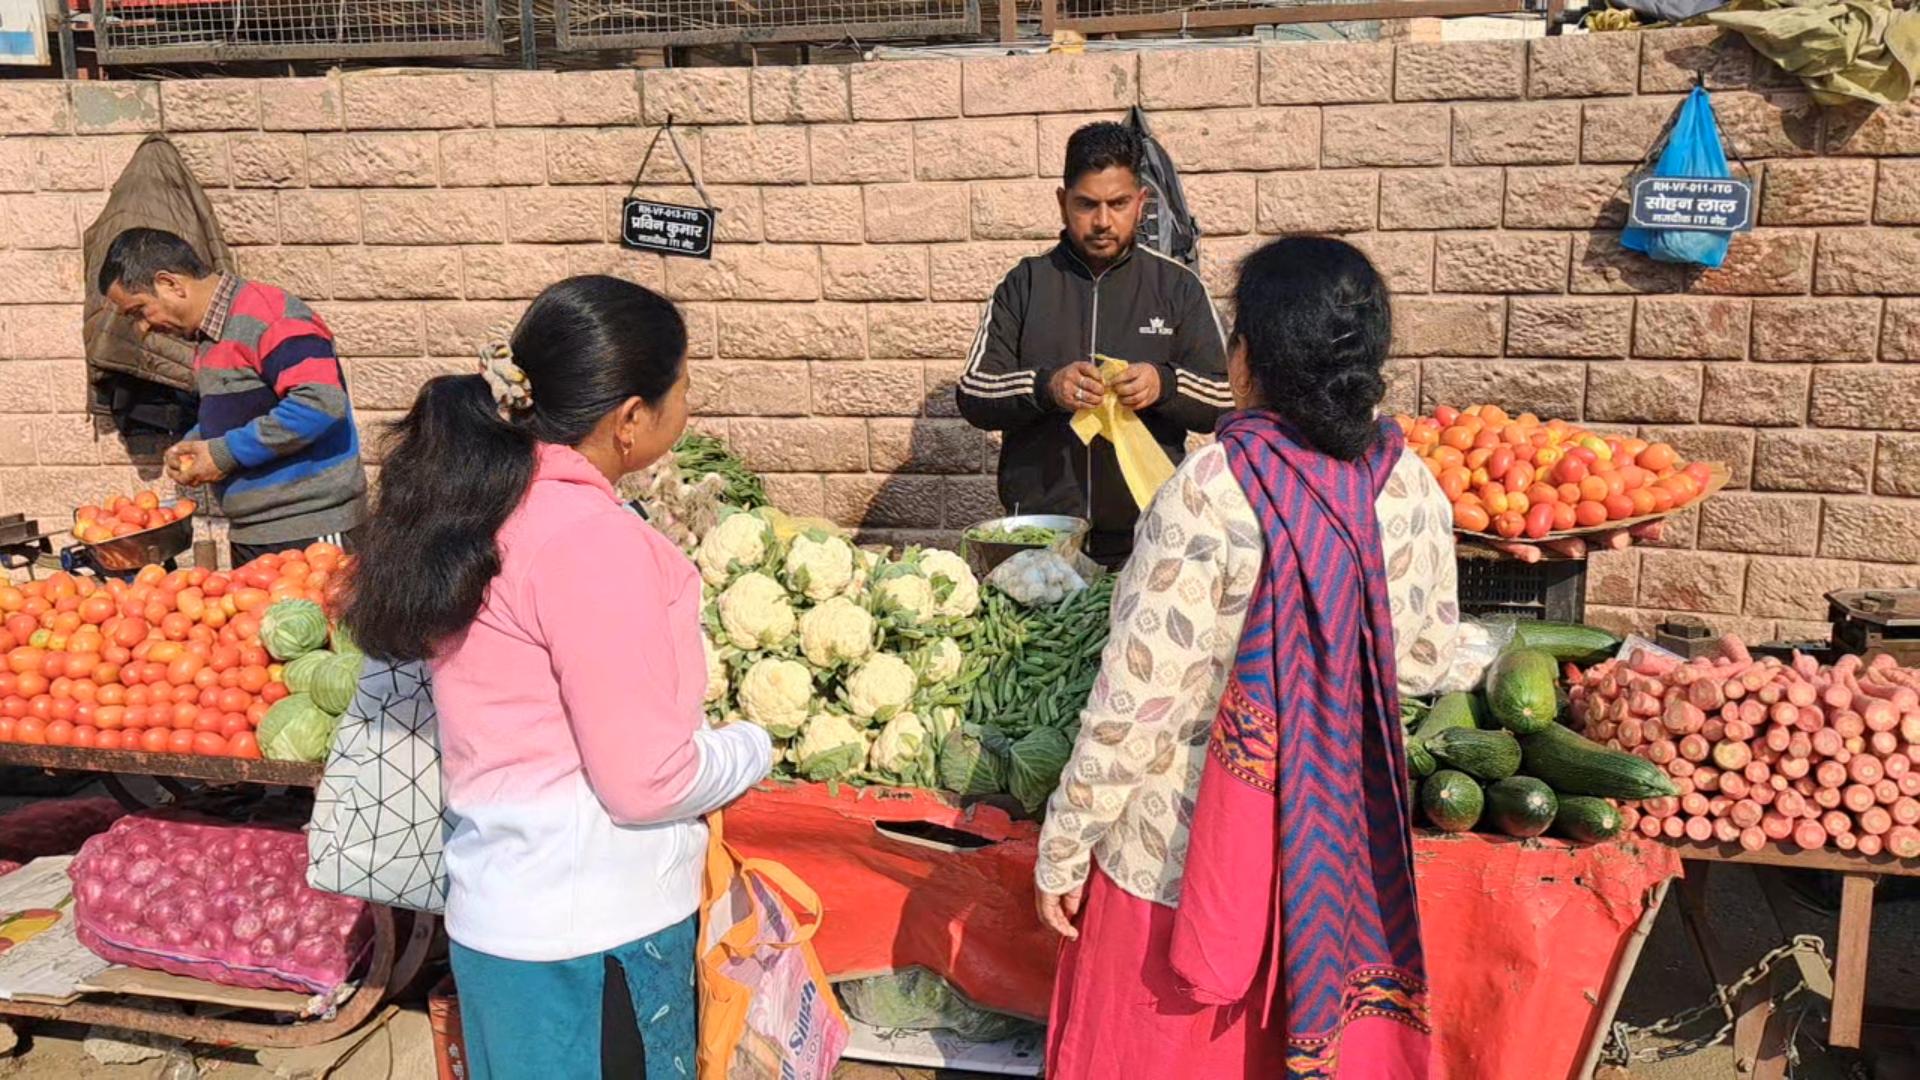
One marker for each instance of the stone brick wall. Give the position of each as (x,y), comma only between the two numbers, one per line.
(868,210)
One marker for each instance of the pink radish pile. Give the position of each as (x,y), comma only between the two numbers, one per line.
(1763,751)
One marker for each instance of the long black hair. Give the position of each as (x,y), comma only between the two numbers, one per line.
(455,469)
(1315,319)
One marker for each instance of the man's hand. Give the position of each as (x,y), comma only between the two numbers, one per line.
(1077,386)
(1059,912)
(1577,547)
(1138,387)
(191,464)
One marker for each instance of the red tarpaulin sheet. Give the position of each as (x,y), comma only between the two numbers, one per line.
(1522,938)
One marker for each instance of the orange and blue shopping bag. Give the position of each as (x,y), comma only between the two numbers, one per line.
(767,1011)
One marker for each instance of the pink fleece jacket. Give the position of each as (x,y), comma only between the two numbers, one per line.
(575,754)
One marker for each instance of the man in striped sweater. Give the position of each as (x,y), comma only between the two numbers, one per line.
(276,436)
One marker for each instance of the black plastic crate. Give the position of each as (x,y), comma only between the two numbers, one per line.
(1554,590)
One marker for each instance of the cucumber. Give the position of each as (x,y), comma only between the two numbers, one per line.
(1451,711)
(1485,755)
(1578,766)
(1419,760)
(1520,690)
(1586,819)
(1521,806)
(1567,642)
(1451,800)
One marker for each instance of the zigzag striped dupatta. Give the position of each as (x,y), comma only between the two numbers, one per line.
(1298,895)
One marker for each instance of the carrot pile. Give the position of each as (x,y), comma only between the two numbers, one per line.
(1766,751)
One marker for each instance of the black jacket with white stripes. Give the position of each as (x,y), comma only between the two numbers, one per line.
(1051,311)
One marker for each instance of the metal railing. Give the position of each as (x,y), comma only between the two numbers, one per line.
(630,24)
(189,31)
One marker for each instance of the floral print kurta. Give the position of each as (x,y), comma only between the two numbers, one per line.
(1126,796)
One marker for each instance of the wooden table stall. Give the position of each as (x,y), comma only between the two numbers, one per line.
(1761,1032)
(393,964)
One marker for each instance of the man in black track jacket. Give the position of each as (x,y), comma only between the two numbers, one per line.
(1097,292)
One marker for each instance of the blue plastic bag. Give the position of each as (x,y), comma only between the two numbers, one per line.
(1692,152)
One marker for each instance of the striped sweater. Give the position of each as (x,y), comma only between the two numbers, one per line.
(276,418)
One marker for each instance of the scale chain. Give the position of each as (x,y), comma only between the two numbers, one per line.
(1619,1049)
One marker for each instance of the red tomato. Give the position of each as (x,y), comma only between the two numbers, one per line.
(111,694)
(215,585)
(130,632)
(135,716)
(276,691)
(210,744)
(181,717)
(206,679)
(180,742)
(32,684)
(110,717)
(256,712)
(233,724)
(1564,517)
(253,678)
(40,707)
(228,678)
(180,671)
(63,709)
(154,740)
(1589,513)
(80,665)
(84,712)
(84,736)
(175,626)
(234,701)
(207,720)
(1618,506)
(6,728)
(96,609)
(31,730)
(59,733)
(8,682)
(24,659)
(243,744)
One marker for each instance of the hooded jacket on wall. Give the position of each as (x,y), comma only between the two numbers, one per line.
(146,382)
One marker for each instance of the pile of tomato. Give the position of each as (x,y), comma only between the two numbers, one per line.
(170,663)
(124,516)
(1520,477)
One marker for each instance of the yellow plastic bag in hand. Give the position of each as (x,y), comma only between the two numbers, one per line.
(1143,463)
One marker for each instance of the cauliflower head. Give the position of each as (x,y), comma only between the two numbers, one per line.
(903,750)
(882,686)
(776,694)
(819,567)
(864,564)
(739,542)
(717,684)
(829,748)
(956,592)
(908,595)
(838,631)
(755,614)
(940,662)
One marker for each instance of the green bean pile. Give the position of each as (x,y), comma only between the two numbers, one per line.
(1039,663)
(700,455)
(1025,536)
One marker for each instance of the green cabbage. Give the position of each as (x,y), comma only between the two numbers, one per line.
(973,761)
(299,672)
(1034,766)
(295,729)
(292,628)
(335,681)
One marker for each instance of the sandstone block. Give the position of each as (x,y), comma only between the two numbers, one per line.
(1644,392)
(1897,201)
(45,331)
(1623,130)
(36,107)
(494,158)
(1765,262)
(1405,260)
(1601,265)
(974,149)
(305,104)
(973,271)
(925,445)
(732,388)
(1893,131)
(305,272)
(1320,201)
(40,277)
(1569,326)
(514,272)
(639,267)
(1500,262)
(379,159)
(710,95)
(1796,588)
(1755,395)
(747,272)
(319,217)
(268,160)
(1049,82)
(905,89)
(1866,262)
(1452,71)
(1827,192)
(1671,60)
(440,217)
(755,155)
(916,213)
(1392,136)
(868,388)
(1448,325)
(1441,199)
(111,108)
(39,221)
(861,153)
(462,329)
(1317,73)
(1692,581)
(1691,328)
(1199,78)
(1897,467)
(874,273)
(1796,460)
(1732,447)
(921,331)
(396,273)
(1547,388)
(800,94)
(555,216)
(1240,140)
(1222,203)
(793,331)
(911,502)
(1874,397)
(611,156)
(1012,210)
(1816,330)
(1900,334)
(812,445)
(1871,530)
(1547,133)
(572,99)
(814,214)
(379,100)
(374,329)
(1583,65)
(211,104)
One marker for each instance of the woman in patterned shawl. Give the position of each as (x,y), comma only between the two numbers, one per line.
(1228,854)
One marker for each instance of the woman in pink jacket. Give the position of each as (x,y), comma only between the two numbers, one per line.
(564,638)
